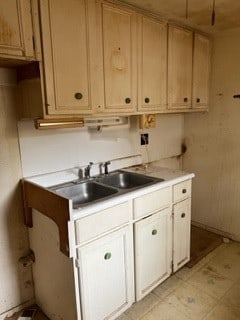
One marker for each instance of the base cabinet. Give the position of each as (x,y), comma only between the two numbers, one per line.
(181,233)
(106,276)
(153,251)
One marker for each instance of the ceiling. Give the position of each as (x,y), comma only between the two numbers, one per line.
(227,12)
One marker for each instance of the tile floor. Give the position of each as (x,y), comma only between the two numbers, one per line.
(208,291)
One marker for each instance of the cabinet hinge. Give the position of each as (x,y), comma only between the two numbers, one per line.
(77,263)
(171,265)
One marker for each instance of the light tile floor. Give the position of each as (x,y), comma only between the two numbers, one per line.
(208,291)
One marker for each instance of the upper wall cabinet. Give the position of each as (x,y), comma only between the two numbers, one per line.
(152,49)
(201,71)
(16,31)
(65,56)
(113,49)
(179,68)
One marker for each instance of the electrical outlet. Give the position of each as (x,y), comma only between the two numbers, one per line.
(144,138)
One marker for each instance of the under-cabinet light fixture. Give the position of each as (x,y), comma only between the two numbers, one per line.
(58,123)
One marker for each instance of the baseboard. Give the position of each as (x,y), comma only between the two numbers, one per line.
(11,312)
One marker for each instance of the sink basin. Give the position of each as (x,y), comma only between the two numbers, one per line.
(127,180)
(84,193)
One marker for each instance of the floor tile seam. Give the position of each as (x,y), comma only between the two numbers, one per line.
(171,291)
(226,304)
(152,307)
(206,292)
(218,274)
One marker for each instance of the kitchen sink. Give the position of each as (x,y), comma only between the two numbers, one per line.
(126,180)
(85,192)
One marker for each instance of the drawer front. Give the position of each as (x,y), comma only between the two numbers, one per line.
(182,190)
(151,202)
(103,221)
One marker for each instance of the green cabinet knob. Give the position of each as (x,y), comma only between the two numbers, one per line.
(107,256)
(154,232)
(78,95)
(127,100)
(183,215)
(147,100)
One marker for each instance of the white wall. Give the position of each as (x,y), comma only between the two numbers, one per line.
(54,150)
(15,282)
(213,142)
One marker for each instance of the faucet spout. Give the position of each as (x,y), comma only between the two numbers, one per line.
(87,170)
(106,164)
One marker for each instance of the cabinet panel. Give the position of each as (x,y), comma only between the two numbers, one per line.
(151,202)
(153,251)
(119,58)
(182,190)
(152,64)
(16,35)
(106,275)
(96,224)
(181,233)
(179,68)
(201,71)
(65,51)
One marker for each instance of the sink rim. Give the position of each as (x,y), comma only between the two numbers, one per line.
(98,181)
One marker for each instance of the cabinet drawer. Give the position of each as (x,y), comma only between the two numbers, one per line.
(103,221)
(151,202)
(182,190)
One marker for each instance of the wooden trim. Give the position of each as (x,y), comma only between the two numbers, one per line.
(51,205)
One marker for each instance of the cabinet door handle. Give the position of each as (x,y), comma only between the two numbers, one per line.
(78,95)
(198,100)
(183,215)
(147,100)
(127,100)
(185,99)
(184,190)
(154,232)
(107,256)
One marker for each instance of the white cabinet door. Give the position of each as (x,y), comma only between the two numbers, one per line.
(65,54)
(153,251)
(152,64)
(181,233)
(180,42)
(106,275)
(201,71)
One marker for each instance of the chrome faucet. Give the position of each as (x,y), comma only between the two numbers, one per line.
(106,164)
(87,170)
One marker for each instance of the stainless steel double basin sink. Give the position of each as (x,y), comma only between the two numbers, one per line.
(87,191)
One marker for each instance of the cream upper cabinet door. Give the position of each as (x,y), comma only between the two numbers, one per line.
(16,33)
(113,41)
(201,71)
(180,51)
(181,233)
(106,275)
(152,64)
(153,251)
(65,56)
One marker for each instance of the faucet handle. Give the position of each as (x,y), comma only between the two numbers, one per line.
(80,173)
(106,164)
